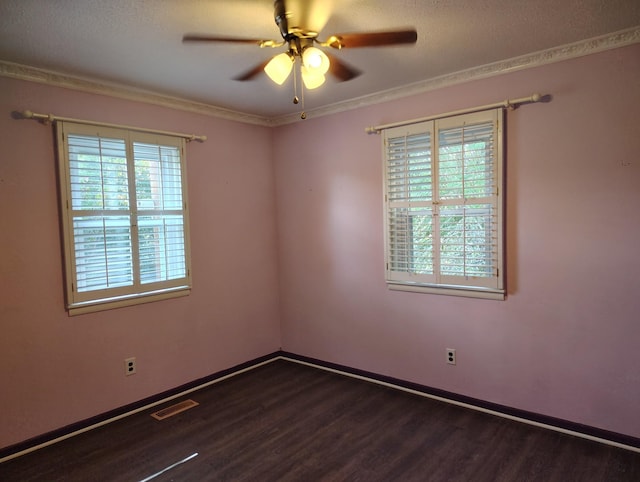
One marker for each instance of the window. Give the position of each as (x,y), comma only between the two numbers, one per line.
(443,206)
(125,224)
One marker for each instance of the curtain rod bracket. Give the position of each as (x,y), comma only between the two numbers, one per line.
(45,119)
(372,130)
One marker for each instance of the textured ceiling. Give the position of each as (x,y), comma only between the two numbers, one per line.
(138,43)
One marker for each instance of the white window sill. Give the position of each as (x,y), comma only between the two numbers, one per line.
(122,301)
(449,291)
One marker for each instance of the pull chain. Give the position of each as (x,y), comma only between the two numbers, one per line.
(303,115)
(296,100)
(295,83)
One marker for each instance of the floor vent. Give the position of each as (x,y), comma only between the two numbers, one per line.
(174,409)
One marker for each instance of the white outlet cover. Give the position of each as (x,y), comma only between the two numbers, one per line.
(451,356)
(129,366)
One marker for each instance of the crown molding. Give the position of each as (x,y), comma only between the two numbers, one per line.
(574,50)
(95,86)
(613,40)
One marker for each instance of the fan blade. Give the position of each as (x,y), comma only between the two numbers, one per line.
(210,38)
(250,74)
(340,70)
(372,39)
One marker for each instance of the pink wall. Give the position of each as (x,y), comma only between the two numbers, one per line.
(287,251)
(565,342)
(55,369)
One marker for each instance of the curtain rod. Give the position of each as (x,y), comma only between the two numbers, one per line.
(506,104)
(49,118)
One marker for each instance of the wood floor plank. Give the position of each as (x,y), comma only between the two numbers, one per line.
(288,422)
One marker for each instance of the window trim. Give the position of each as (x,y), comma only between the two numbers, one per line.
(405,281)
(110,298)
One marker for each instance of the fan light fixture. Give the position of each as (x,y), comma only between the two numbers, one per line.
(312,80)
(314,66)
(315,60)
(299,37)
(279,67)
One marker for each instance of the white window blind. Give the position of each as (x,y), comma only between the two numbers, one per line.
(443,205)
(125,218)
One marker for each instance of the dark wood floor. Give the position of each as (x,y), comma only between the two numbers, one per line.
(285,421)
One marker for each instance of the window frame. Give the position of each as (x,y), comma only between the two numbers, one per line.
(488,287)
(138,292)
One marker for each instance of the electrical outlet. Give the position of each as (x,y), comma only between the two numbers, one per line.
(451,356)
(130,366)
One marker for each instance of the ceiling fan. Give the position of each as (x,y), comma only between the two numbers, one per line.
(301,42)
